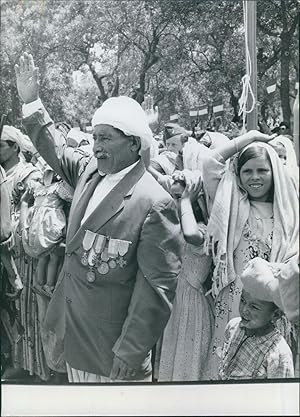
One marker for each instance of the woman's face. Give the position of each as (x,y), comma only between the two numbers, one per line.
(257,178)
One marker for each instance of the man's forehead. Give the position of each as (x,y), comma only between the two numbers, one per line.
(105,130)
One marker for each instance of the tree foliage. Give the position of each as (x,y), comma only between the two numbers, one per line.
(183,52)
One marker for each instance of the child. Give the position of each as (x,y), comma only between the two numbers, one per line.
(188,333)
(253,348)
(254,214)
(44,227)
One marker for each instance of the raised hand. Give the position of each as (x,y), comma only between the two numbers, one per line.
(151,112)
(255,135)
(27,79)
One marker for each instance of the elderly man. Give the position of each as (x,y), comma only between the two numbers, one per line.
(123,241)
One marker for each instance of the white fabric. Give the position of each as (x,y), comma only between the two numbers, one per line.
(103,188)
(193,154)
(16,136)
(127,115)
(30,108)
(75,375)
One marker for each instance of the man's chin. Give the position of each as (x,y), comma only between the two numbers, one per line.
(103,167)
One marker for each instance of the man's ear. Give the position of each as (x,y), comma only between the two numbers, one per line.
(136,143)
(16,147)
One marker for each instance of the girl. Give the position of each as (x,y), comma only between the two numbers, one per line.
(188,333)
(44,226)
(254,214)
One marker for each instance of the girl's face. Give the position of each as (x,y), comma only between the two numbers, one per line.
(257,178)
(255,313)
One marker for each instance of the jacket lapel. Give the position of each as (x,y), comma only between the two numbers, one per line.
(109,206)
(81,198)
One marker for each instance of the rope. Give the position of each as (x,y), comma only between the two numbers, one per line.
(247,89)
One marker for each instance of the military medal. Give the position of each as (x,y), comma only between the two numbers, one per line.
(91,276)
(121,262)
(92,257)
(104,255)
(123,246)
(103,268)
(112,264)
(113,246)
(87,244)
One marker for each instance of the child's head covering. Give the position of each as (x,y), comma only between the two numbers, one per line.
(275,282)
(258,280)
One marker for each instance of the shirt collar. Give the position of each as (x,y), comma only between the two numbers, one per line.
(120,174)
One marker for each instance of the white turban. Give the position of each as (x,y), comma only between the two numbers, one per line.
(16,136)
(125,114)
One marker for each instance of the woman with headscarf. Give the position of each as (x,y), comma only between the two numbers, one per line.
(254,214)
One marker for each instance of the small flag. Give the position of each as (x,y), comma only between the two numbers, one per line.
(218,108)
(203,111)
(193,114)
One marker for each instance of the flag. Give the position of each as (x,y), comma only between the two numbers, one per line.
(218,108)
(203,111)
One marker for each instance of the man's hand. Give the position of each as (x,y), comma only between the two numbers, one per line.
(27,79)
(120,370)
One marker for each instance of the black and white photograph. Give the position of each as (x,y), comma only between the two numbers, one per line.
(149,183)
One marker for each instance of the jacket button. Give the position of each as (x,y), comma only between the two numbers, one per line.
(68,300)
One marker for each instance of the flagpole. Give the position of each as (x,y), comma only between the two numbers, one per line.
(251,36)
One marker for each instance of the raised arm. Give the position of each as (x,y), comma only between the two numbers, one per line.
(236,145)
(189,226)
(41,129)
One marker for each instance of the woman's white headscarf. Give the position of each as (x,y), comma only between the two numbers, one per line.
(291,159)
(126,114)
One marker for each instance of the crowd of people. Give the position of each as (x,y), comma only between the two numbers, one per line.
(126,258)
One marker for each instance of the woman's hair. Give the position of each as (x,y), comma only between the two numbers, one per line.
(251,153)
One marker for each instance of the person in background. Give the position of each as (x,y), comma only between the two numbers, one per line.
(165,162)
(27,350)
(284,130)
(11,283)
(187,336)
